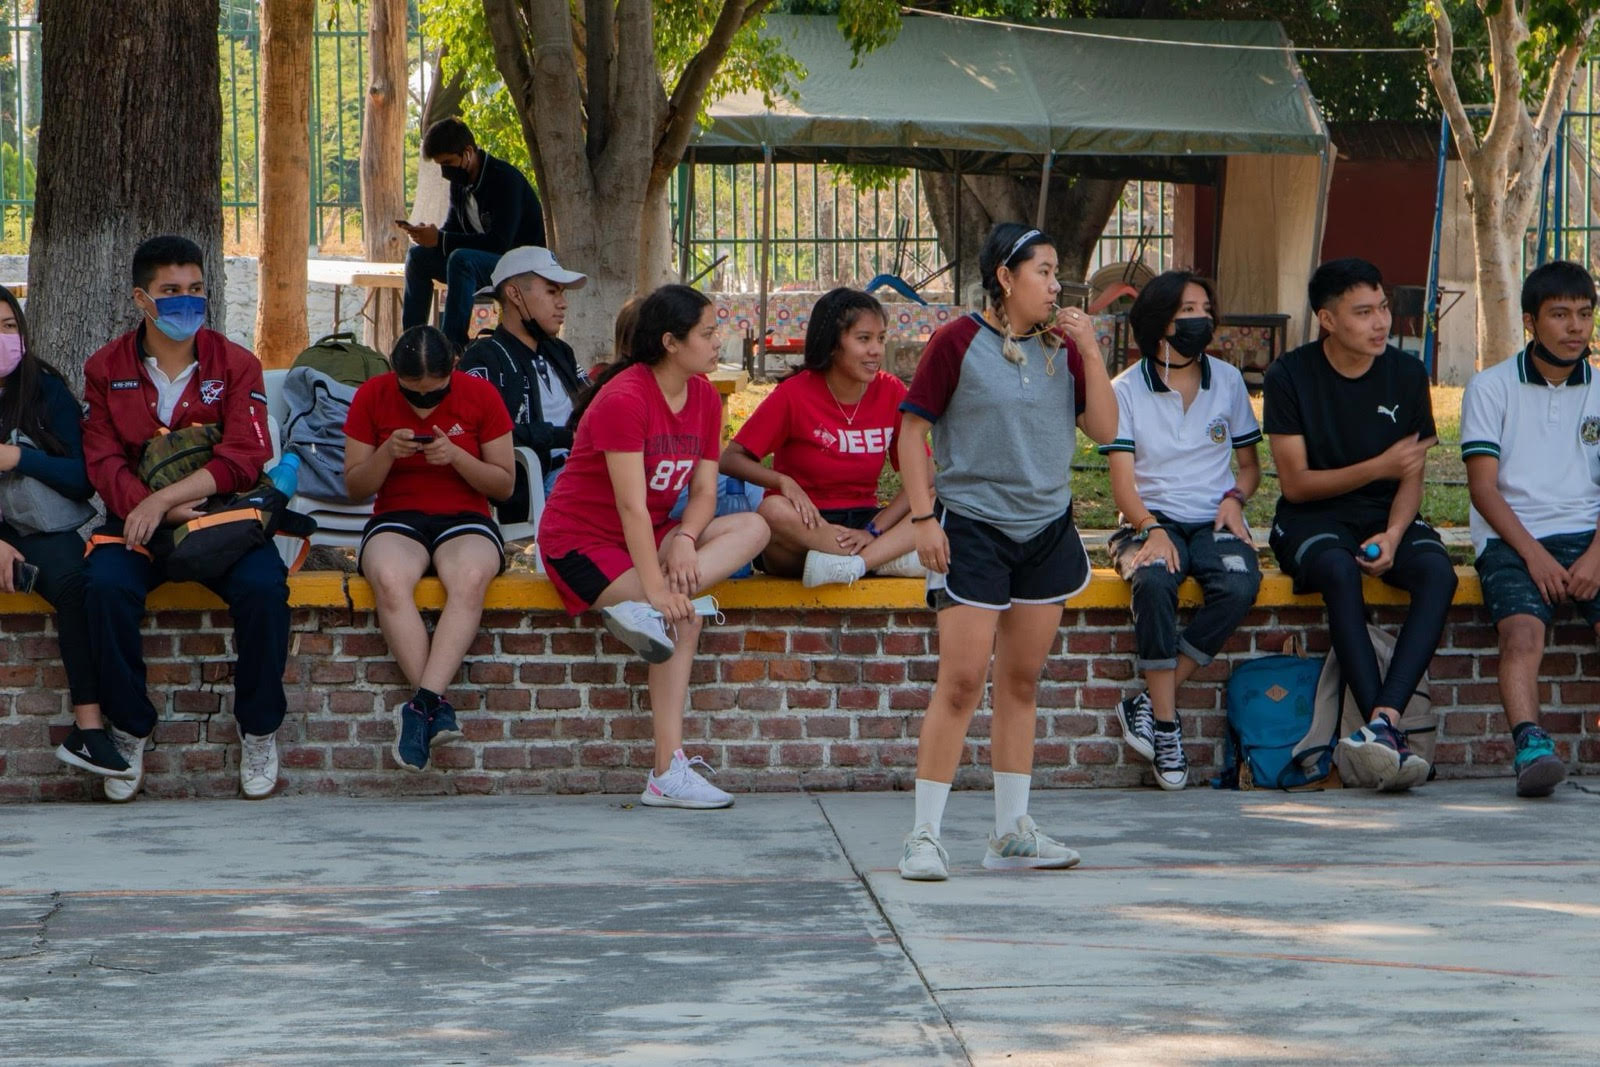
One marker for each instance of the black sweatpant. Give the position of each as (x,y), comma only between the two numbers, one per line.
(59,557)
(1430,579)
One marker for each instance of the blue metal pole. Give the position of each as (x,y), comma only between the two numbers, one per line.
(1430,304)
(1559,210)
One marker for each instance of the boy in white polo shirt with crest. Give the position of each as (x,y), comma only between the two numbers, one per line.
(1530,437)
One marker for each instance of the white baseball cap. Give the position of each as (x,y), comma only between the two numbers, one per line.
(531,259)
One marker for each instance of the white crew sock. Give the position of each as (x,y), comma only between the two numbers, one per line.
(1010,801)
(861,572)
(930,803)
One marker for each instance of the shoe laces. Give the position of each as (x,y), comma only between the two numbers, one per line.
(128,746)
(1169,751)
(257,754)
(1144,717)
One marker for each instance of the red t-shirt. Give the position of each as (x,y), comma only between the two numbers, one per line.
(834,451)
(471,415)
(629,415)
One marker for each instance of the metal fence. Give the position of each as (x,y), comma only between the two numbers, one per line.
(1568,224)
(338,94)
(827,231)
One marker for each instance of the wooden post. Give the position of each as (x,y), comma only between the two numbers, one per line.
(285,141)
(955,271)
(766,243)
(1044,190)
(383,160)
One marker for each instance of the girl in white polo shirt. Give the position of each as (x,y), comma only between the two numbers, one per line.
(1182,417)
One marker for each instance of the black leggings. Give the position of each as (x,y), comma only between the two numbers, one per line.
(1430,579)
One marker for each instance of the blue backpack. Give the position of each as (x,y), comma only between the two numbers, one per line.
(1271,706)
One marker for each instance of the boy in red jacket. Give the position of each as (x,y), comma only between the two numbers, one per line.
(167,374)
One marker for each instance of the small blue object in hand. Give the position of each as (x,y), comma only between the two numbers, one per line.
(1372,551)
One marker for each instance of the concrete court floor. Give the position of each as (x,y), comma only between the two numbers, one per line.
(1453,925)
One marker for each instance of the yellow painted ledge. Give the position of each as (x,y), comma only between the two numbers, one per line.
(527,592)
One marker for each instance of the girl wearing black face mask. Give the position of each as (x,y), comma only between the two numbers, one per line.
(434,444)
(1182,419)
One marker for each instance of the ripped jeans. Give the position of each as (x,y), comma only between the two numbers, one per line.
(1228,572)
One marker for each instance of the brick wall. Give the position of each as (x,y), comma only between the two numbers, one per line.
(814,698)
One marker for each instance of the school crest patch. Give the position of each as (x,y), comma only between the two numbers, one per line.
(210,390)
(1589,431)
(1218,430)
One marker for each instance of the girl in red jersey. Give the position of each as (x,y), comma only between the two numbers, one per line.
(829,427)
(435,445)
(649,427)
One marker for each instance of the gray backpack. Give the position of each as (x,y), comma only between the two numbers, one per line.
(316,393)
(1335,713)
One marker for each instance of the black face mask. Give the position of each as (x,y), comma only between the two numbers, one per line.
(1554,360)
(1191,336)
(455,175)
(426,401)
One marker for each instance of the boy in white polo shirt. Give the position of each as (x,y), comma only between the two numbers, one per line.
(1182,417)
(1530,437)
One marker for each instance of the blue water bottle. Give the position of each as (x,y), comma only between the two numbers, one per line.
(286,475)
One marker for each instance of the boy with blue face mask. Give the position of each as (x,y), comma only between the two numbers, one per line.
(168,374)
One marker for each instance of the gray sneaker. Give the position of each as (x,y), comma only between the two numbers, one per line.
(924,859)
(1028,847)
(638,625)
(121,790)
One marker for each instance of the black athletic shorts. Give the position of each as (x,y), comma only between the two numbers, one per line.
(990,570)
(1296,539)
(431,531)
(849,518)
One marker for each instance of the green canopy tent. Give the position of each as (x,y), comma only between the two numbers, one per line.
(1168,100)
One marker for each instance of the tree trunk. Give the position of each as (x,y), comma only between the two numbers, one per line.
(1497,245)
(383,159)
(1075,215)
(129,147)
(285,179)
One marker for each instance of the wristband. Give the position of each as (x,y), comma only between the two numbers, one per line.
(872,528)
(922,518)
(1235,494)
(680,532)
(1142,528)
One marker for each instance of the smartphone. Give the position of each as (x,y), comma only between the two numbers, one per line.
(403,224)
(422,439)
(23,575)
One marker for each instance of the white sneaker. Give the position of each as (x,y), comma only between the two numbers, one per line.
(830,568)
(258,765)
(122,790)
(683,787)
(906,566)
(638,625)
(924,859)
(1029,847)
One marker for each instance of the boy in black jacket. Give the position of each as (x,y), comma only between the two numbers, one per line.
(492,209)
(535,371)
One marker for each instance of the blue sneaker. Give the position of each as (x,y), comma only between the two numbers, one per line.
(442,724)
(411,748)
(1377,757)
(1539,769)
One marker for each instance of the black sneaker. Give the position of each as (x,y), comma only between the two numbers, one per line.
(411,746)
(1172,765)
(1539,769)
(93,751)
(1138,724)
(442,725)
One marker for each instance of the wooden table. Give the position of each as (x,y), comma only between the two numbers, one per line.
(342,272)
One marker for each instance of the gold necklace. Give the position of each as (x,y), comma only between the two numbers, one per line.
(850,419)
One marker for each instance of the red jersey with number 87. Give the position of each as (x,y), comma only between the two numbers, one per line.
(629,415)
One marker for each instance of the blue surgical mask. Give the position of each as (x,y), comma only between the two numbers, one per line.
(180,317)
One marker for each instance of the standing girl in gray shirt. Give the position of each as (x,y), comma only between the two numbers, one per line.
(1001,393)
